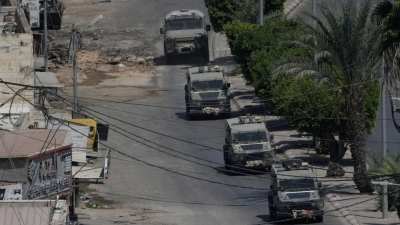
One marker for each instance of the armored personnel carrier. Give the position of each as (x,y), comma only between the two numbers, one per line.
(295,191)
(185,33)
(206,92)
(248,144)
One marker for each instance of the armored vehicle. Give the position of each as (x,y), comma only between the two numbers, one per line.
(248,144)
(295,191)
(185,33)
(206,92)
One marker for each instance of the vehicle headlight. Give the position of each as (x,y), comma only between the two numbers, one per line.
(198,103)
(221,102)
(222,94)
(320,203)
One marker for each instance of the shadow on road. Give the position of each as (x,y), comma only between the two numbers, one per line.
(269,220)
(182,115)
(192,61)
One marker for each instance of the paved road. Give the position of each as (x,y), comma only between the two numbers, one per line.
(374,141)
(185,192)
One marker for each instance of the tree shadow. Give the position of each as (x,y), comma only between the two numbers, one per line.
(238,172)
(278,125)
(183,116)
(193,61)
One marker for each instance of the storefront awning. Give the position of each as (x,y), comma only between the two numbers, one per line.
(47,79)
(83,172)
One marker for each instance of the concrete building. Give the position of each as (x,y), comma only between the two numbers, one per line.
(16,66)
(37,159)
(34,212)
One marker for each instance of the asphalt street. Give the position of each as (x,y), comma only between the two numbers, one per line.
(374,141)
(184,181)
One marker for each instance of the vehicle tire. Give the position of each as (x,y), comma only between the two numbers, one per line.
(168,60)
(187,109)
(272,213)
(206,56)
(227,167)
(319,219)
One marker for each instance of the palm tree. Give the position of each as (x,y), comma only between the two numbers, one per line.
(388,15)
(347,58)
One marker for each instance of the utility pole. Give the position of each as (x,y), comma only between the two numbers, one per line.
(74,66)
(261,12)
(46,67)
(383,106)
(384,187)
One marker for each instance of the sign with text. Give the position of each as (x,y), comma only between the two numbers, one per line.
(34,10)
(49,174)
(11,192)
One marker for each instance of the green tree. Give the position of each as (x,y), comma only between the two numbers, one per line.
(222,12)
(347,58)
(247,40)
(388,14)
(388,166)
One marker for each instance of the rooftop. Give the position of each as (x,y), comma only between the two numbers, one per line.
(29,142)
(243,124)
(184,13)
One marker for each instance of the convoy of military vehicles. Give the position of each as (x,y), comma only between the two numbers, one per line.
(185,33)
(206,92)
(295,191)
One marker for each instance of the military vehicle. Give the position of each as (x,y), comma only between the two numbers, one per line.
(206,92)
(185,33)
(248,144)
(295,191)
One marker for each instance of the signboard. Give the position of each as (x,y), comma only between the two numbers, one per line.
(11,192)
(34,10)
(49,174)
(68,164)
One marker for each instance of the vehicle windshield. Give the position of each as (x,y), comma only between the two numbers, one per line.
(297,184)
(250,137)
(206,85)
(182,24)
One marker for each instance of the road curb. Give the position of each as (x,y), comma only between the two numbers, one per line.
(334,200)
(292,7)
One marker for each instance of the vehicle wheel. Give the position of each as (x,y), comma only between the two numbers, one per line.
(187,109)
(319,219)
(272,213)
(227,167)
(168,60)
(206,56)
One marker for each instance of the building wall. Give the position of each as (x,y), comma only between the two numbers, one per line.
(16,172)
(17,61)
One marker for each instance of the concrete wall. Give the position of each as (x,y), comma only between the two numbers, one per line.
(17,61)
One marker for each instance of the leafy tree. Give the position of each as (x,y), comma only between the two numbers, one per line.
(347,59)
(246,39)
(388,166)
(222,12)
(388,14)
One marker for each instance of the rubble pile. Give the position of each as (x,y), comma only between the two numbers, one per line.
(89,61)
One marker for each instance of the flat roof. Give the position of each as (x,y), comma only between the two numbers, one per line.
(47,79)
(185,13)
(235,125)
(29,142)
(206,76)
(27,215)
